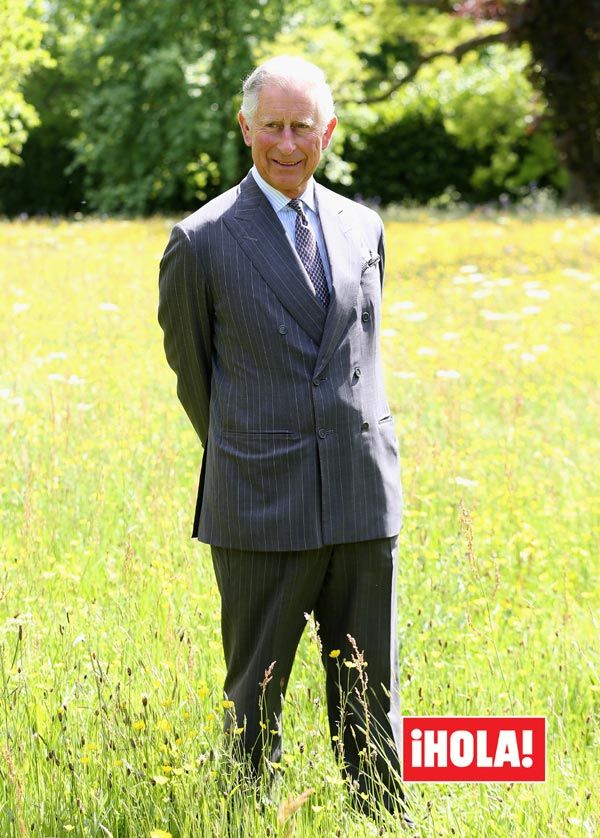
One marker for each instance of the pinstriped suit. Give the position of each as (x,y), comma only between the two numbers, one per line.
(300,455)
(287,398)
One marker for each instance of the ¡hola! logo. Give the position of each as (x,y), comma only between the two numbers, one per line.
(474,749)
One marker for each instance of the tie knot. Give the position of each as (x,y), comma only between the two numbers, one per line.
(296,204)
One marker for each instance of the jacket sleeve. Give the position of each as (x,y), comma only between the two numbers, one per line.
(185,315)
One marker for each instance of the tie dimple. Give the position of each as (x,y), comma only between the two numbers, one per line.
(307,249)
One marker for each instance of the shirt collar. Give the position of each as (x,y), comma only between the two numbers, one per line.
(277,199)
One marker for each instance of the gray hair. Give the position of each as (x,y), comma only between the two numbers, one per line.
(287,70)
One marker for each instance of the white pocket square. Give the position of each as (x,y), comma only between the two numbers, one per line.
(369,261)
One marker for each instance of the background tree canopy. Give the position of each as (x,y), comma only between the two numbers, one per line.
(129,107)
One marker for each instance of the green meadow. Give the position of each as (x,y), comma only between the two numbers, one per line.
(110,653)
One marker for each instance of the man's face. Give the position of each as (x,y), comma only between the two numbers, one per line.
(286,137)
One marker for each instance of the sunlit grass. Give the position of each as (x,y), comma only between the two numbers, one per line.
(110,653)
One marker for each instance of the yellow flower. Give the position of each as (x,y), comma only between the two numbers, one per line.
(160,833)
(335,653)
(139,724)
(164,724)
(227,704)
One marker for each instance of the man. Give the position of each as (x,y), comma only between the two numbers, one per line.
(270,302)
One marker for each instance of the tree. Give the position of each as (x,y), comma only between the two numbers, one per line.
(156,84)
(564,41)
(398,85)
(20,51)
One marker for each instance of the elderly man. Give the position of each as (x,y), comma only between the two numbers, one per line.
(270,302)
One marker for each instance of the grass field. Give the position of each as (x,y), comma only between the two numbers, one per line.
(110,654)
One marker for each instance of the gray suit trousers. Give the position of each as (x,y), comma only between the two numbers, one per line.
(351,589)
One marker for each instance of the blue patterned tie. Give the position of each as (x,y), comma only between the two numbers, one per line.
(307,249)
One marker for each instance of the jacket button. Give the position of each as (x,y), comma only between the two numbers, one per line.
(282,330)
(364,426)
(322,433)
(357,372)
(366,317)
(316,381)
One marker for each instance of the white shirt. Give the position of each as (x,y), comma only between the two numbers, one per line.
(287,215)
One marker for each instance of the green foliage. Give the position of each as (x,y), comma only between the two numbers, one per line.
(413,159)
(148,93)
(476,125)
(488,105)
(48,181)
(20,51)
(138,111)
(155,71)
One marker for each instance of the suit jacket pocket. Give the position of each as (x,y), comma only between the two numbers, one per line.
(266,446)
(250,432)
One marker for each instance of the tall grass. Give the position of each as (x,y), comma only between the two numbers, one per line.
(110,655)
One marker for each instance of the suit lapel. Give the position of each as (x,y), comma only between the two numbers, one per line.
(344,260)
(261,236)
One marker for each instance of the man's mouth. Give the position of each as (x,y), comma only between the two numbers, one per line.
(287,165)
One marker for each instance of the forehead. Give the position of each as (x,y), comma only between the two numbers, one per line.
(290,102)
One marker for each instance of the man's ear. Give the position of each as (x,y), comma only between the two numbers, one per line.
(329,133)
(245,129)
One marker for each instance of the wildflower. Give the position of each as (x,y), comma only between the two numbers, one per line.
(335,653)
(139,724)
(160,833)
(164,725)
(227,704)
(464,481)
(500,315)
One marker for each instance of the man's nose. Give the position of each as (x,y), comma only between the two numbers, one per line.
(287,141)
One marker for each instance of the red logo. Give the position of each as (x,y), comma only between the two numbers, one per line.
(474,749)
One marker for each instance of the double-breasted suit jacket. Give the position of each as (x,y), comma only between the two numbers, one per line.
(286,397)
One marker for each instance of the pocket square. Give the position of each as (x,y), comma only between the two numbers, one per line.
(372,259)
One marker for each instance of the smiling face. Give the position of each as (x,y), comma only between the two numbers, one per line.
(286,137)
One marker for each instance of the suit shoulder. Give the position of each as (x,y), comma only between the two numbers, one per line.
(362,213)
(211,212)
